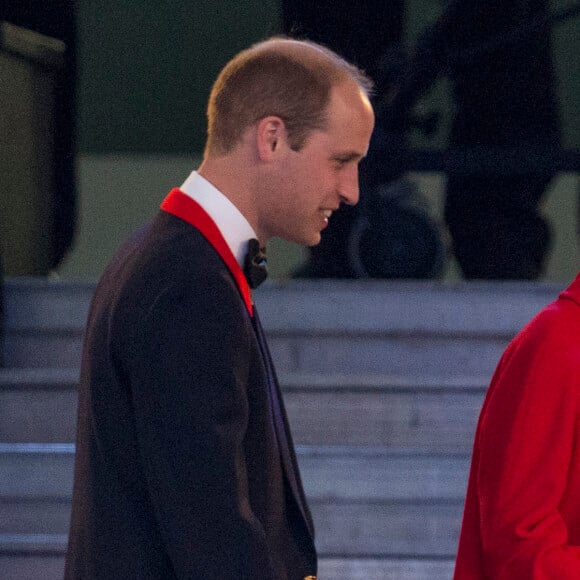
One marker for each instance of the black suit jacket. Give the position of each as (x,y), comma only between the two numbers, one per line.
(184,465)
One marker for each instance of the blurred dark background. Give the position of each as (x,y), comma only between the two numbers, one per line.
(483,95)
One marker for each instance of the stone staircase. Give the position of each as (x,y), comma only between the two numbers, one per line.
(383,382)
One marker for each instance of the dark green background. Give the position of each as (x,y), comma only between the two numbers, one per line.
(146,68)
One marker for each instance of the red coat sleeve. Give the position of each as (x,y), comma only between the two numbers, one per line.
(524,452)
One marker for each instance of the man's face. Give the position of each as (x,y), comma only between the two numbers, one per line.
(312,183)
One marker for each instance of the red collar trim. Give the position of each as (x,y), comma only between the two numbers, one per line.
(184,207)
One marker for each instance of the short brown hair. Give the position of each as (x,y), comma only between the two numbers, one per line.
(288,78)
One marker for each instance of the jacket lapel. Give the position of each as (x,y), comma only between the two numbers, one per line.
(282,428)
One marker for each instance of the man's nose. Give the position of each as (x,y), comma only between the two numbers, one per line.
(349,188)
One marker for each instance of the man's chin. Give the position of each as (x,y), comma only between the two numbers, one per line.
(308,240)
(314,241)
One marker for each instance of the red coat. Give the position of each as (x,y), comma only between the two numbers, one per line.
(522,511)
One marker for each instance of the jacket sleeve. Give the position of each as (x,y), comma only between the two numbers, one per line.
(526,441)
(189,380)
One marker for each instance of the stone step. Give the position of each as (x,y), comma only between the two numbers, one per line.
(387,530)
(397,327)
(322,306)
(51,348)
(346,353)
(366,307)
(327,326)
(402,354)
(39,405)
(343,529)
(35,472)
(351,474)
(385,569)
(32,556)
(31,471)
(435,414)
(44,321)
(40,557)
(34,516)
(365,502)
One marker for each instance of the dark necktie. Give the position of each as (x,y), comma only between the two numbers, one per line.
(255,266)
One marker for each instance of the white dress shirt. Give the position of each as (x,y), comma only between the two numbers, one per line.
(233,226)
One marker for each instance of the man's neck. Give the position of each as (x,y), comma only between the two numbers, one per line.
(223,174)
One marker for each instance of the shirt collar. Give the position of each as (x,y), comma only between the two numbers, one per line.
(234,227)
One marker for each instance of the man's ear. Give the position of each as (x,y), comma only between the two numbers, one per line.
(270,136)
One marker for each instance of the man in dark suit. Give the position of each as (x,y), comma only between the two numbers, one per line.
(185,466)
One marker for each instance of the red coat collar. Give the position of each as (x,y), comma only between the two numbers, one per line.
(184,207)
